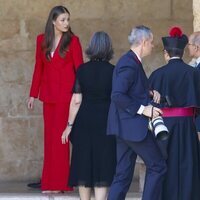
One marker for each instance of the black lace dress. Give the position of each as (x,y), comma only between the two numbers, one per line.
(94,153)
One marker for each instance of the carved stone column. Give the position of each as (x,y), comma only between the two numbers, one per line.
(196,13)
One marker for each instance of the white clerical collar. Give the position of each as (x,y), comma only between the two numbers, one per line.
(175,57)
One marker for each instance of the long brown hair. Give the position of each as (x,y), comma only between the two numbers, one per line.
(49,34)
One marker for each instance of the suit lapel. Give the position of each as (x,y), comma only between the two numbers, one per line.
(144,77)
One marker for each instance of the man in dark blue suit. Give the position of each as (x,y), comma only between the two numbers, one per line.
(128,119)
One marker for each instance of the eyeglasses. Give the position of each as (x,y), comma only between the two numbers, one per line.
(194,45)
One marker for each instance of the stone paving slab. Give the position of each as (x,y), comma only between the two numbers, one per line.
(20,191)
(33,196)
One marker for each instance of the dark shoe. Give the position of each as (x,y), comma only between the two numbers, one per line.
(34,185)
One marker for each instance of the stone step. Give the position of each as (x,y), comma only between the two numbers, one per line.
(20,191)
(34,196)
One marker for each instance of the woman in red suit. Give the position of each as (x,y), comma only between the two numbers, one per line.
(58,55)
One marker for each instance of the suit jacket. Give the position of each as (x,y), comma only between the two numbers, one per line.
(198,66)
(53,80)
(129,91)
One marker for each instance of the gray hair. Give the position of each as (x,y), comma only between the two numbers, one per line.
(100,47)
(138,34)
(196,38)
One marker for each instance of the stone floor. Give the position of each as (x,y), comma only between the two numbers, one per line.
(19,191)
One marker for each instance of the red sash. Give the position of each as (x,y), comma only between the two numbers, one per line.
(178,112)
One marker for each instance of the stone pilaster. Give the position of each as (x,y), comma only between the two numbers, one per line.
(196,13)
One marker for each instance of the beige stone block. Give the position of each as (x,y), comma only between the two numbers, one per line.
(9,28)
(21,148)
(14,138)
(20,170)
(5,97)
(13,101)
(4,110)
(145,9)
(16,43)
(35,26)
(10,97)
(12,9)
(8,9)
(119,9)
(152,62)
(90,9)
(16,74)
(19,109)
(36,138)
(182,9)
(85,29)
(17,67)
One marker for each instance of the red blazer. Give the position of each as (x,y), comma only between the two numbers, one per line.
(53,80)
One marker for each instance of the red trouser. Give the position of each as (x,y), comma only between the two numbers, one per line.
(56,155)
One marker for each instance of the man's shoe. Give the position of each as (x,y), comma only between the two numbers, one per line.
(34,185)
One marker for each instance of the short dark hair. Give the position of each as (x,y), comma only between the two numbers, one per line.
(100,47)
(175,52)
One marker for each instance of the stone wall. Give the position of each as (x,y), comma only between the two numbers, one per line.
(21,131)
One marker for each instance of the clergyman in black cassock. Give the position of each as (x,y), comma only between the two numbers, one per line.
(179,84)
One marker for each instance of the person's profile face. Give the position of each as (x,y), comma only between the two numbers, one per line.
(191,47)
(61,24)
(148,46)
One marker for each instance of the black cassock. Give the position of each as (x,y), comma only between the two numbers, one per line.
(180,84)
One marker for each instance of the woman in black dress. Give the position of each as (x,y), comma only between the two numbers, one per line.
(94,153)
